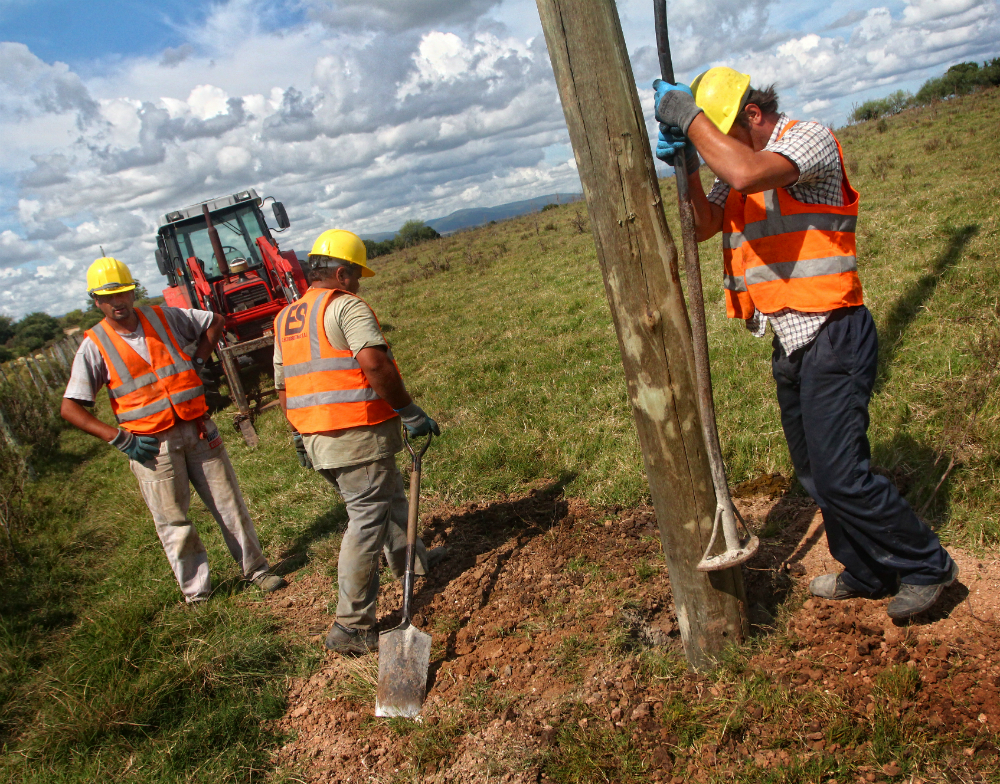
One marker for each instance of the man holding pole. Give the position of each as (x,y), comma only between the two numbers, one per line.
(163,426)
(788,213)
(343,395)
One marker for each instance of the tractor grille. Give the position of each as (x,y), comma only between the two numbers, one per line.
(246,298)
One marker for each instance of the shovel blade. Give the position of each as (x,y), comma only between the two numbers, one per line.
(404,655)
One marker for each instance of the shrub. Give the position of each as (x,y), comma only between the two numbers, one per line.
(881,107)
(960,79)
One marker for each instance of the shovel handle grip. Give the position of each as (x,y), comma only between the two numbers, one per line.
(416,453)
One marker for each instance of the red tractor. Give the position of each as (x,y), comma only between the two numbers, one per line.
(221,256)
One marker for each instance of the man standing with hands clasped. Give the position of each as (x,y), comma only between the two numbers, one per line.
(159,403)
(787,214)
(342,393)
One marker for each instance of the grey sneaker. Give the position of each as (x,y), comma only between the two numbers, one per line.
(268,582)
(832,586)
(914,599)
(351,642)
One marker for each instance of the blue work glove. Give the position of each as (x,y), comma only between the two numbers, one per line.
(300,450)
(670,142)
(416,422)
(675,106)
(138,448)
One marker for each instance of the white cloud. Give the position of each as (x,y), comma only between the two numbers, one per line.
(14,250)
(377,111)
(396,16)
(32,87)
(816,106)
(920,11)
(207,101)
(233,159)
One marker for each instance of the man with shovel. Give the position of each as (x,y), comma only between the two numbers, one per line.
(343,395)
(788,216)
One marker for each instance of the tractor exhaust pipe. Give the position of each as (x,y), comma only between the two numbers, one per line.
(213,236)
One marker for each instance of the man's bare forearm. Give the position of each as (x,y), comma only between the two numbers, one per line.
(81,418)
(210,337)
(383,376)
(743,168)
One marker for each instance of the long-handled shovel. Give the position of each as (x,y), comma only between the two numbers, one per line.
(737,550)
(404,653)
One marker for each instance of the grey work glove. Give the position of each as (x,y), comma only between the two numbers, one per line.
(300,450)
(138,448)
(416,422)
(675,106)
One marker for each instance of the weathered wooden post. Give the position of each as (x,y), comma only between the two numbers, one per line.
(67,363)
(31,375)
(42,379)
(55,363)
(639,263)
(12,442)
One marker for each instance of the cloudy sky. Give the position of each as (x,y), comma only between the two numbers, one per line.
(363,114)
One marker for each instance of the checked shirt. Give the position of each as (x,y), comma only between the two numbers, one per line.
(812,148)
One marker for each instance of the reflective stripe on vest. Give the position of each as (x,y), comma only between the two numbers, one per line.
(148,395)
(325,388)
(781,253)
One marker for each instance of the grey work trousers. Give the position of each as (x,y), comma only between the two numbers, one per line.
(376,510)
(164,481)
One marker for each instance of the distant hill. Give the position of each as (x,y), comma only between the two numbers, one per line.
(478,216)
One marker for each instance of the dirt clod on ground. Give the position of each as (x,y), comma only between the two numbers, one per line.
(556,657)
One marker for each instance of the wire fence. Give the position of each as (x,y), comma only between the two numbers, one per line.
(31,390)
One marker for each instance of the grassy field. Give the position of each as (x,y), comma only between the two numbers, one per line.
(503,334)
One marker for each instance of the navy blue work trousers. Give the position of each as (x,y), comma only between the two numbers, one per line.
(823,391)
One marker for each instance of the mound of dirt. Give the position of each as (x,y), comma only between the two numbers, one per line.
(556,656)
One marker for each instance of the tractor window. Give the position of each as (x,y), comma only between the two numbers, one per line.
(238,232)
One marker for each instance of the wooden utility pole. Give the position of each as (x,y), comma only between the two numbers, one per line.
(639,263)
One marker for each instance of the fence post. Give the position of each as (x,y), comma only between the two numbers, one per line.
(41,374)
(31,375)
(8,434)
(66,363)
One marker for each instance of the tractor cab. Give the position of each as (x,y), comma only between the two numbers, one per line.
(220,255)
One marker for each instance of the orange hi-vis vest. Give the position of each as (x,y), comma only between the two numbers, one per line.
(779,252)
(325,388)
(146,397)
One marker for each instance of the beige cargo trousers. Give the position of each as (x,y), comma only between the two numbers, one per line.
(376,509)
(186,459)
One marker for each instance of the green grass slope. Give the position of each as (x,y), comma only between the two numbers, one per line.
(503,334)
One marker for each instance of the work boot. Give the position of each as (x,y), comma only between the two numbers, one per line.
(269,583)
(911,600)
(436,556)
(832,586)
(351,642)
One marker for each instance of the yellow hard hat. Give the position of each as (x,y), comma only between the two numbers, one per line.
(109,276)
(720,93)
(345,246)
